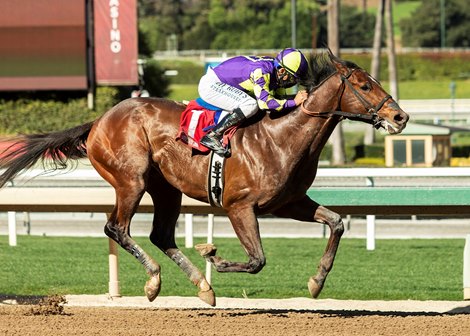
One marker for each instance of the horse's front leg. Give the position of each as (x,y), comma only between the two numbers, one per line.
(310,211)
(246,227)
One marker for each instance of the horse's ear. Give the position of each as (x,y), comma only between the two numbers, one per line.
(337,62)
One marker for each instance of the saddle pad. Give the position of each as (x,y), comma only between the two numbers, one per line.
(195,122)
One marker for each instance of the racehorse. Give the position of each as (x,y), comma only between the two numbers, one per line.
(274,161)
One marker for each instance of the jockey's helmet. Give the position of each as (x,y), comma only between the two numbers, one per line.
(293,61)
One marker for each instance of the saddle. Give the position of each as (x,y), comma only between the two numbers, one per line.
(197,119)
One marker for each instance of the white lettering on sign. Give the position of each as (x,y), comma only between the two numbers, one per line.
(115,33)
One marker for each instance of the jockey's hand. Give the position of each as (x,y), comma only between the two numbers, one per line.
(300,97)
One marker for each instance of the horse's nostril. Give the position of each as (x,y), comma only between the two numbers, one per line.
(398,117)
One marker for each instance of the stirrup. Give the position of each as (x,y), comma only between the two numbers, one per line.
(214,144)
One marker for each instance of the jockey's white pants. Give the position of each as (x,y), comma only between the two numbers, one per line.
(227,97)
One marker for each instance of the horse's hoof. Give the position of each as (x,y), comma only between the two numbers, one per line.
(208,297)
(206,293)
(152,287)
(314,287)
(206,250)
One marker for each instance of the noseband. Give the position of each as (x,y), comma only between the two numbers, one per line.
(372,111)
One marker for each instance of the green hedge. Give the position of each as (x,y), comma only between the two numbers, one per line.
(461,151)
(422,66)
(33,116)
(189,72)
(411,66)
(370,162)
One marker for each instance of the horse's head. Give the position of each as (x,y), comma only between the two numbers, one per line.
(361,97)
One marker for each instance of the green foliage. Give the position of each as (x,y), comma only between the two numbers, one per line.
(180,92)
(422,29)
(155,81)
(374,151)
(245,24)
(357,28)
(402,10)
(149,35)
(411,67)
(188,72)
(240,24)
(419,66)
(411,89)
(428,269)
(435,89)
(370,162)
(461,138)
(51,111)
(33,116)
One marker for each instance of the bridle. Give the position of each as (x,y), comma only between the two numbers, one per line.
(372,111)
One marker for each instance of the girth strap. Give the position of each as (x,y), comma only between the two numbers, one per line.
(215,179)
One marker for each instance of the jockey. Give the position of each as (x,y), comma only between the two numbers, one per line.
(243,84)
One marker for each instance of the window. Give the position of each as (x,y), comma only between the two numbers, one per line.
(399,152)
(417,152)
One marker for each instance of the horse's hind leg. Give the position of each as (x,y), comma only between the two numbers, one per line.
(333,220)
(246,227)
(117,228)
(129,192)
(167,205)
(308,210)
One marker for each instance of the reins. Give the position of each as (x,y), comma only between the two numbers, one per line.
(372,116)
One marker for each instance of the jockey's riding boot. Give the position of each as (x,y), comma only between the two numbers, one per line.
(213,139)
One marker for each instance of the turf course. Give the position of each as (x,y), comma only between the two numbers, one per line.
(397,269)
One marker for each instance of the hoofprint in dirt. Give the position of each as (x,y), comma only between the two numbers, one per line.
(108,321)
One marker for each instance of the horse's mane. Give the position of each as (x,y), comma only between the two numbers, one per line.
(321,67)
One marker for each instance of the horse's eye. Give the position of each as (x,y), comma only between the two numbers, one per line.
(366,87)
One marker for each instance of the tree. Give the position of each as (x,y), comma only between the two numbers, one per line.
(197,32)
(243,24)
(369,136)
(337,138)
(357,28)
(392,63)
(422,29)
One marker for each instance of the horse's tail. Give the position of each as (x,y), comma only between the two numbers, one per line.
(55,148)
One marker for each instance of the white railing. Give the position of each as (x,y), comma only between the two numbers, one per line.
(87,174)
(107,201)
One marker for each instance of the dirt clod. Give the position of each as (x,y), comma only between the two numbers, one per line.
(50,305)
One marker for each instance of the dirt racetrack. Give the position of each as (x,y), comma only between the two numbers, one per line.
(53,318)
(17,320)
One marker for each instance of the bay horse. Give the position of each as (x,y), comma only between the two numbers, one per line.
(274,161)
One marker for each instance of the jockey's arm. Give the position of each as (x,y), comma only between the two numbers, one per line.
(265,97)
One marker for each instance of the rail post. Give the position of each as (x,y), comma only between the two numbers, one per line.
(210,234)
(113,270)
(466,269)
(370,234)
(12,228)
(188,230)
(113,264)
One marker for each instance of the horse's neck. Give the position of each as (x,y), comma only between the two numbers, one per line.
(310,133)
(298,138)
(319,129)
